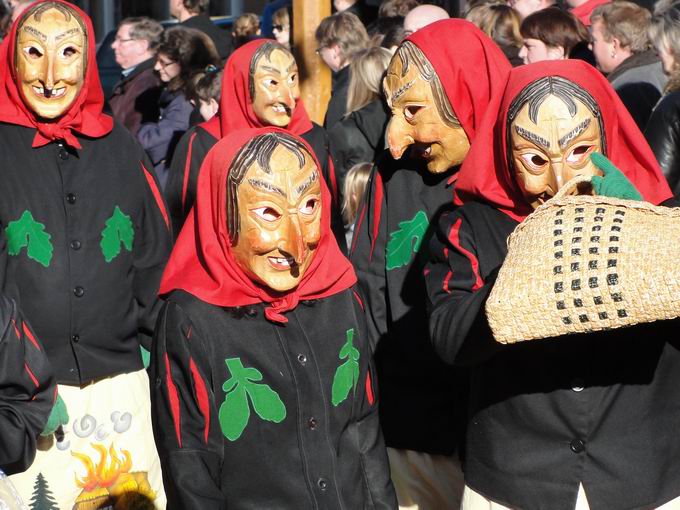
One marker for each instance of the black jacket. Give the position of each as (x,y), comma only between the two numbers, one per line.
(27,389)
(422,406)
(358,138)
(546,415)
(247,413)
(221,38)
(663,134)
(85,238)
(180,190)
(337,105)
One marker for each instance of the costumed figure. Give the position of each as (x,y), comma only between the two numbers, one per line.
(580,421)
(438,86)
(265,393)
(260,87)
(84,241)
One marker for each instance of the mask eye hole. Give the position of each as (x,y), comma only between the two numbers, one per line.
(33,52)
(270,83)
(309,206)
(534,160)
(578,153)
(69,51)
(411,110)
(267,213)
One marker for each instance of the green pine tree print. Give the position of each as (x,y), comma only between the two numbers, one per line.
(42,496)
(240,388)
(119,229)
(28,233)
(347,374)
(405,241)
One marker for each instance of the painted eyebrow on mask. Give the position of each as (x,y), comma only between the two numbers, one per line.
(532,137)
(265,186)
(401,90)
(564,141)
(69,32)
(34,31)
(307,184)
(270,69)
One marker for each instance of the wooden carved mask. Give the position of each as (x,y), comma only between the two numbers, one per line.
(50,59)
(274,86)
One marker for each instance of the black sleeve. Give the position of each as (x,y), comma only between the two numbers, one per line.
(663,134)
(27,390)
(368,256)
(178,179)
(150,252)
(187,433)
(457,293)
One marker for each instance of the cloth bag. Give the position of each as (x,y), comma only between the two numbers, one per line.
(582,263)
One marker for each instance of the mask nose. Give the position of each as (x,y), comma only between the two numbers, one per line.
(49,74)
(293,242)
(398,137)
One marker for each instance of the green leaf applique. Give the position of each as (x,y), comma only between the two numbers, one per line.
(240,387)
(118,230)
(28,233)
(347,374)
(405,241)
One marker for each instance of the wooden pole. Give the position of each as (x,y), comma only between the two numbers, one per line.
(315,76)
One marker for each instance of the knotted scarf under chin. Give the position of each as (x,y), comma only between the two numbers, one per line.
(275,311)
(48,132)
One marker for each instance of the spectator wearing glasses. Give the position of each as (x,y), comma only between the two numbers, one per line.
(134,99)
(281,27)
(339,37)
(182,53)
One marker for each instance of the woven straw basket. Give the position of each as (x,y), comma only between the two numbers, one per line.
(587,263)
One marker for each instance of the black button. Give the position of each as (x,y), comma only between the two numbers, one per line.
(251,311)
(79,291)
(302,359)
(63,154)
(312,423)
(322,483)
(577,446)
(75,338)
(158,382)
(75,244)
(577,385)
(71,198)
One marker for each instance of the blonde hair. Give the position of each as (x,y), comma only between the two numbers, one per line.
(499,21)
(625,21)
(366,71)
(246,25)
(353,190)
(664,32)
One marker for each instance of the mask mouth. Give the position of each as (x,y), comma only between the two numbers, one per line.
(423,150)
(282,109)
(49,93)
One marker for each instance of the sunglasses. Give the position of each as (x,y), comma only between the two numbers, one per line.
(280,28)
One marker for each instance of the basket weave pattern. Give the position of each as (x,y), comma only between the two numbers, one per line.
(587,263)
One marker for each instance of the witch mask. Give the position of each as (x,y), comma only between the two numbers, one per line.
(274,210)
(50,59)
(553,128)
(421,113)
(274,86)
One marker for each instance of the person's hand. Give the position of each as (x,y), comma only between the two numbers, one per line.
(58,417)
(613,183)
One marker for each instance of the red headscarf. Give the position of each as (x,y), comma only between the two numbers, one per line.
(236,105)
(485,175)
(85,115)
(470,66)
(202,262)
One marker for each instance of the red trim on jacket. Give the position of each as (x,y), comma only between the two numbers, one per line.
(454,239)
(31,375)
(174,400)
(358,298)
(30,336)
(201,393)
(156,195)
(369,389)
(187,167)
(377,210)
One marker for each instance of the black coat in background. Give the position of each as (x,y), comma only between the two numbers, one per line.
(422,399)
(337,105)
(180,190)
(315,448)
(663,135)
(221,38)
(27,390)
(358,138)
(601,409)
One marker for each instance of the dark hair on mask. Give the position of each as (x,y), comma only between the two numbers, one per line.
(539,90)
(258,150)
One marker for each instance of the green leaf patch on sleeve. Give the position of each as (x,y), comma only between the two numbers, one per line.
(405,241)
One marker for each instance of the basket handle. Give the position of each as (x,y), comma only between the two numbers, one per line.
(571,185)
